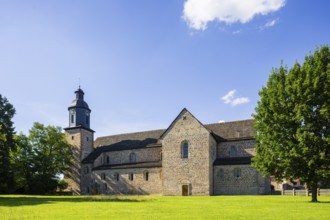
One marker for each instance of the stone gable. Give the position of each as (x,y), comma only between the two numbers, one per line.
(193,171)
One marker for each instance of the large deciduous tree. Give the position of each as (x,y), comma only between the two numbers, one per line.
(293,122)
(7,145)
(41,158)
(52,154)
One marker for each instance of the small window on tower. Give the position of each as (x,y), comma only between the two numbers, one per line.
(72,118)
(87,138)
(72,137)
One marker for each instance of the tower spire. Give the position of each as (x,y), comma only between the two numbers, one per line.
(79,111)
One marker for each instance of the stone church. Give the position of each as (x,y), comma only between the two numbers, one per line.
(187,158)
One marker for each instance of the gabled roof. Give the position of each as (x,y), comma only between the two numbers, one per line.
(120,142)
(233,130)
(137,136)
(184,110)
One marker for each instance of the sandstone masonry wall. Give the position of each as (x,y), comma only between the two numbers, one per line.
(122,157)
(193,171)
(244,148)
(106,182)
(81,142)
(250,181)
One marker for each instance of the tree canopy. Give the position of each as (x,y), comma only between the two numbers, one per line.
(41,158)
(7,145)
(33,163)
(293,122)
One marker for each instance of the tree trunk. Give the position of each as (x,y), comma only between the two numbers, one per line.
(314,192)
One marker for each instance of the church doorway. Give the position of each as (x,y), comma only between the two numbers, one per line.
(185,190)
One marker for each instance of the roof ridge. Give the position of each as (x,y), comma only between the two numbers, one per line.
(162,129)
(130,133)
(227,122)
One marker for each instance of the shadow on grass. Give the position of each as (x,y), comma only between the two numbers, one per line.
(38,200)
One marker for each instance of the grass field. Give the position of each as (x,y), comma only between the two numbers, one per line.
(163,207)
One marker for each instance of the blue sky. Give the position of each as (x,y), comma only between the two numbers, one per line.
(141,62)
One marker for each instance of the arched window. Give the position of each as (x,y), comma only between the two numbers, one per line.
(131,176)
(132,158)
(103,176)
(184,150)
(221,173)
(232,151)
(146,175)
(237,173)
(86,170)
(108,159)
(116,176)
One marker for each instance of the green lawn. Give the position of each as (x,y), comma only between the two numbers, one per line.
(163,207)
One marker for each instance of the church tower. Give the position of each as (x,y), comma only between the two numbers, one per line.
(80,137)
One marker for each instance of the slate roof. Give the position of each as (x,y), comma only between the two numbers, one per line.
(130,165)
(236,130)
(138,136)
(128,141)
(232,161)
(233,130)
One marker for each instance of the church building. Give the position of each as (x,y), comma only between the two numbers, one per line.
(187,158)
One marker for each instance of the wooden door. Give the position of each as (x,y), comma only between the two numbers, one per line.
(185,190)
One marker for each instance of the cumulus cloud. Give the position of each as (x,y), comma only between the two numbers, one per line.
(198,13)
(230,98)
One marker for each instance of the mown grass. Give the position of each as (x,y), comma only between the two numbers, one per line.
(163,207)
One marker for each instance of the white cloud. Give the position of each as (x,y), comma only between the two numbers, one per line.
(230,98)
(239,101)
(221,121)
(198,13)
(237,31)
(271,23)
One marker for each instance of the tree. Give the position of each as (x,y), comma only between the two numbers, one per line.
(293,122)
(41,158)
(23,164)
(7,145)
